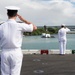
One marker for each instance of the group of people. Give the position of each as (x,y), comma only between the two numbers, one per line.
(11,34)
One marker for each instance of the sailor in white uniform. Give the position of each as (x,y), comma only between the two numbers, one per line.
(11,34)
(62,38)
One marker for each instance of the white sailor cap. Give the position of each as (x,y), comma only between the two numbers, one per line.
(62,24)
(12,8)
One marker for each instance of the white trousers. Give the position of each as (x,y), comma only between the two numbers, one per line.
(62,47)
(11,62)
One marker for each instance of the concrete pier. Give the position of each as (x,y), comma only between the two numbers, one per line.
(51,64)
(48,64)
(36,51)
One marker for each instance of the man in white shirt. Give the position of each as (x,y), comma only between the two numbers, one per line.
(62,38)
(11,34)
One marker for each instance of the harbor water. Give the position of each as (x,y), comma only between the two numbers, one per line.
(36,42)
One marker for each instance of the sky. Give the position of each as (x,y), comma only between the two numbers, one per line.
(42,12)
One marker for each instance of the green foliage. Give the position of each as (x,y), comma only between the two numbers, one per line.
(41,30)
(53,30)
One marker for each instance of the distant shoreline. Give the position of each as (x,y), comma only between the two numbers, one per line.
(71,32)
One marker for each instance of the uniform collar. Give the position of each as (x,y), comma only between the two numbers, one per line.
(11,20)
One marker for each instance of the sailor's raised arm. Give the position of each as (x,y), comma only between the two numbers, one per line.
(22,19)
(27,22)
(67,29)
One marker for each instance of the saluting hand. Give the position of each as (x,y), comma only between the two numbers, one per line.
(22,19)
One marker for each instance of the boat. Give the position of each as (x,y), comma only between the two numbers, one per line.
(46,35)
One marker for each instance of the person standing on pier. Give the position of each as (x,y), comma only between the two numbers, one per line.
(62,38)
(11,34)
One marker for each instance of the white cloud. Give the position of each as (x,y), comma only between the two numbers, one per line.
(72,0)
(44,12)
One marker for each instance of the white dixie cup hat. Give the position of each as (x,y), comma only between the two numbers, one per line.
(12,8)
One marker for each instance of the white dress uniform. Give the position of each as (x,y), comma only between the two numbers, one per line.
(11,34)
(62,39)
